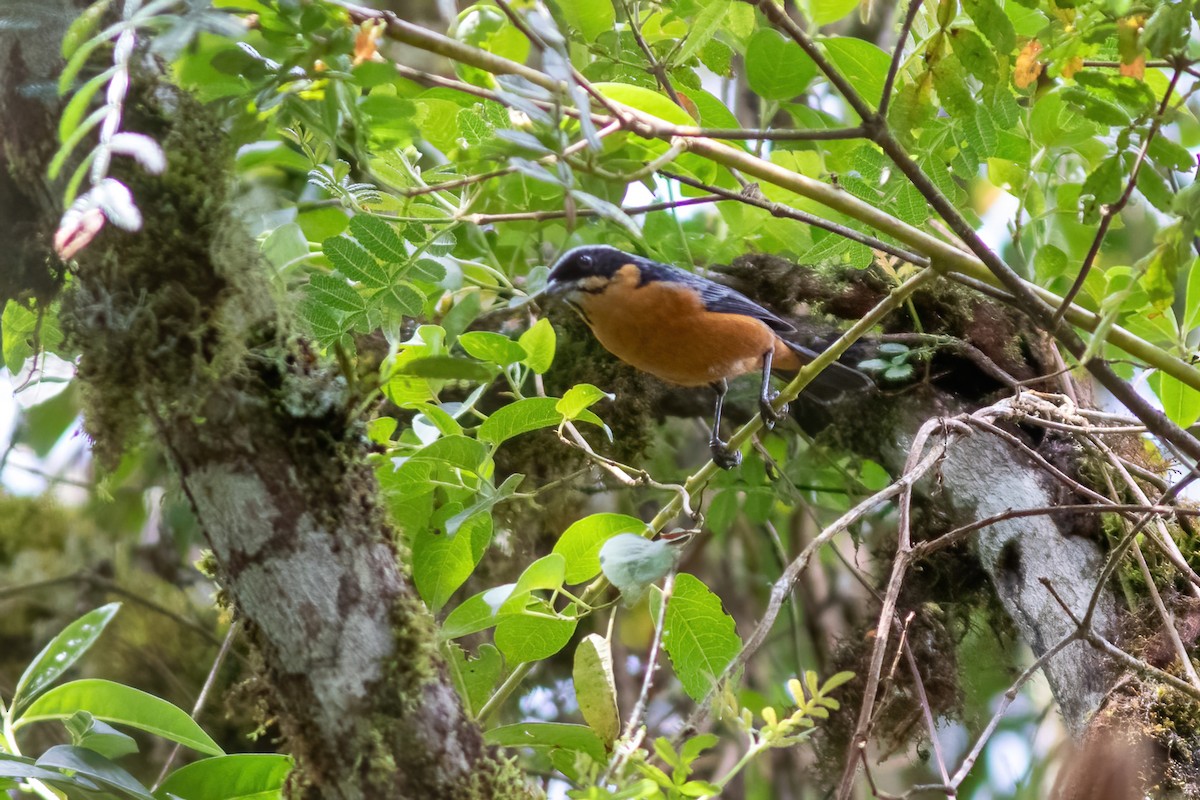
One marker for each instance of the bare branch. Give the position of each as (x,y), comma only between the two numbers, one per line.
(914,7)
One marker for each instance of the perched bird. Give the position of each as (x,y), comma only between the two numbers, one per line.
(685,329)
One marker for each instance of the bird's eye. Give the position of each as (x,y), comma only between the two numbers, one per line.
(585,261)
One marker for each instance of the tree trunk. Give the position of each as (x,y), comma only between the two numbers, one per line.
(178,324)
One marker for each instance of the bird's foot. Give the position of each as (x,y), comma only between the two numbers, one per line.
(771,415)
(722,456)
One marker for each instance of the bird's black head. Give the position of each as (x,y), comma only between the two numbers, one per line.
(595,261)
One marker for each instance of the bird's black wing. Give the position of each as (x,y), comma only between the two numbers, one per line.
(716,297)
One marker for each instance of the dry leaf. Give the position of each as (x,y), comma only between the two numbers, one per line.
(1136,69)
(1028,67)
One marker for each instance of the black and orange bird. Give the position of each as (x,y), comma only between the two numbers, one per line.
(685,329)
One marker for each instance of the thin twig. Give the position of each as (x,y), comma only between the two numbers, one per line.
(639,708)
(918,463)
(1109,212)
(775,134)
(541,216)
(926,711)
(209,682)
(914,7)
(756,199)
(656,67)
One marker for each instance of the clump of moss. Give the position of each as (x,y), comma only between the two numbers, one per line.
(413,660)
(153,313)
(31,523)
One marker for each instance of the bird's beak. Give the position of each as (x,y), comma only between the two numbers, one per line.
(554,289)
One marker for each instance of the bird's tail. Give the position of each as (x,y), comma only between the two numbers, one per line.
(835,381)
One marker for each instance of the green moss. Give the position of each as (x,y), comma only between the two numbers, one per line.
(31,523)
(153,313)
(415,659)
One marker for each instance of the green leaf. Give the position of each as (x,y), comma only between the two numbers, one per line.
(1052,123)
(87,731)
(698,635)
(424,269)
(404,299)
(441,563)
(579,738)
(631,563)
(461,315)
(333,292)
(718,57)
(1180,402)
(863,64)
(538,343)
(92,765)
(476,613)
(589,17)
(1172,155)
(713,113)
(1009,175)
(776,68)
(475,129)
(1094,107)
(647,100)
(77,106)
(244,776)
(975,55)
(495,348)
(544,574)
(1155,189)
(580,543)
(579,397)
(476,677)
(524,637)
(1103,185)
(285,246)
(123,705)
(993,23)
(25,332)
(18,767)
(379,238)
(323,323)
(84,27)
(78,59)
(596,688)
(664,750)
(62,652)
(523,416)
(448,368)
(823,12)
(696,745)
(699,789)
(706,23)
(1191,300)
(835,681)
(352,260)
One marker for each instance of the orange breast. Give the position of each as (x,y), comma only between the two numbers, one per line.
(662,328)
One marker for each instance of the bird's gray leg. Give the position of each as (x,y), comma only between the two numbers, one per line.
(769,415)
(722,456)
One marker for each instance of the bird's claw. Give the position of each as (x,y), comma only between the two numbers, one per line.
(723,457)
(771,415)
